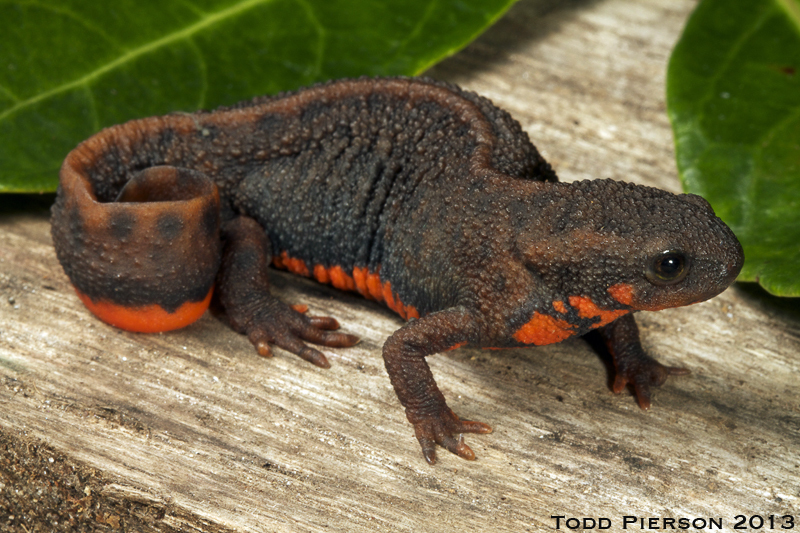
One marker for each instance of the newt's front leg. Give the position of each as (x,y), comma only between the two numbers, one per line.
(404,354)
(243,289)
(632,364)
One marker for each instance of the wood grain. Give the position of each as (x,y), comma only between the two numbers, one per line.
(196,424)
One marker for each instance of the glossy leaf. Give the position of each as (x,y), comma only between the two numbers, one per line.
(733,93)
(71,67)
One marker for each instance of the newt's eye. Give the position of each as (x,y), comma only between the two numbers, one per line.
(667,268)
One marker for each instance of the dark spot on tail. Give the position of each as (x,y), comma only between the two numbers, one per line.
(170,226)
(121,225)
(77,232)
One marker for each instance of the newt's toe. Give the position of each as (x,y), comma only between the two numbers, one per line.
(642,377)
(445,429)
(287,327)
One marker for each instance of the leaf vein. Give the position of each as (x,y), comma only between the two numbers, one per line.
(7,92)
(130,55)
(747,184)
(792,10)
(415,31)
(734,51)
(192,7)
(769,135)
(322,35)
(92,106)
(201,61)
(80,20)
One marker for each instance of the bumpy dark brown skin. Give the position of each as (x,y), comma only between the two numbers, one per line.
(409,191)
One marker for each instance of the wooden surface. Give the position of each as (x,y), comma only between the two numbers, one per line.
(193,424)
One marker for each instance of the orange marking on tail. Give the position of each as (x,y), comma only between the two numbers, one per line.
(622,292)
(559,306)
(146,318)
(587,309)
(544,329)
(456,346)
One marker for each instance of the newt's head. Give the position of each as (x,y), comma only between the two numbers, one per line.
(643,247)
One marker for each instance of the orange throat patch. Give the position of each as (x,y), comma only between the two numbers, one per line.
(544,329)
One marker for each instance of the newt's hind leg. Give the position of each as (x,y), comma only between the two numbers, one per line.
(404,354)
(243,290)
(632,364)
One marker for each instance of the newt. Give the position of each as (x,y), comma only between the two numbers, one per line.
(409,191)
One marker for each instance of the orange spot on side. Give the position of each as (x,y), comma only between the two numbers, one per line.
(295,266)
(148,318)
(362,281)
(405,311)
(388,297)
(340,279)
(360,277)
(300,308)
(587,309)
(321,275)
(559,306)
(456,346)
(411,312)
(544,329)
(374,286)
(622,292)
(337,277)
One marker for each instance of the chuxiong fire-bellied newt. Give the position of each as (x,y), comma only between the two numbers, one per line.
(411,192)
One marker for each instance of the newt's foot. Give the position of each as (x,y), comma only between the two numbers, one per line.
(633,365)
(444,429)
(287,327)
(642,373)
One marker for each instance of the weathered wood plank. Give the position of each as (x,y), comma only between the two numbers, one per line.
(195,424)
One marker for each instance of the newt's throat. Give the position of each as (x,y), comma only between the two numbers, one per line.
(544,329)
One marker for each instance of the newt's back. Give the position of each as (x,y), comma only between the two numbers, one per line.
(351,163)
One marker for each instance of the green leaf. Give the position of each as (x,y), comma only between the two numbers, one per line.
(733,95)
(71,67)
